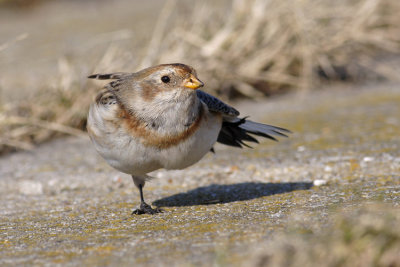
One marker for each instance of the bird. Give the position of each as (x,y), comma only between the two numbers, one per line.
(159,118)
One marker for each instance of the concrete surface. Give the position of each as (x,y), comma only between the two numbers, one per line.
(61,204)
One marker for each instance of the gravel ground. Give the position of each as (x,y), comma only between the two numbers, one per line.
(62,204)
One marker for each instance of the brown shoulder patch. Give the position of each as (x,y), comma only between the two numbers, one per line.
(149,137)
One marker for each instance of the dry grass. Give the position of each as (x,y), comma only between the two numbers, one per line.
(260,47)
(245,48)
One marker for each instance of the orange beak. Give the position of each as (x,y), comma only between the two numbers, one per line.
(193,83)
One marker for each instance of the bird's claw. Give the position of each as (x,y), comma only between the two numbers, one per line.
(146,209)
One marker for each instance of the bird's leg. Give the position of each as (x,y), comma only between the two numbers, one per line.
(144,207)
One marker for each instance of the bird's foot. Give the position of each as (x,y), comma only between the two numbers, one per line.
(146,209)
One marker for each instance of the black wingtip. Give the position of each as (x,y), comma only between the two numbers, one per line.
(280,134)
(283,130)
(234,112)
(267,136)
(278,130)
(106,76)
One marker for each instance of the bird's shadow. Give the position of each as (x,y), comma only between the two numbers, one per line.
(229,193)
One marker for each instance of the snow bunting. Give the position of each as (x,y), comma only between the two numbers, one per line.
(158,118)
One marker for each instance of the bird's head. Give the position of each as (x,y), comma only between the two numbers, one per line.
(153,87)
(167,78)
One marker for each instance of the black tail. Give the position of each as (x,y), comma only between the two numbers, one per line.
(234,133)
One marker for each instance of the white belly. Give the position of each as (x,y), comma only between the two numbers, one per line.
(194,148)
(128,154)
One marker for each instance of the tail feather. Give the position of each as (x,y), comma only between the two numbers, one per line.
(260,128)
(234,133)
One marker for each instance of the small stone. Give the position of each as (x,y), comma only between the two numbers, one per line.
(328,169)
(368,159)
(319,182)
(160,175)
(30,187)
(301,148)
(117,179)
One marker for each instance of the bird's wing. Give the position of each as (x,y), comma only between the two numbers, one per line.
(110,76)
(216,105)
(237,130)
(234,130)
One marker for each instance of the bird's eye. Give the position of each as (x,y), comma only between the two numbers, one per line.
(165,79)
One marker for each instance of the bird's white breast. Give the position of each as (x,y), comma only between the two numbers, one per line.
(195,147)
(131,155)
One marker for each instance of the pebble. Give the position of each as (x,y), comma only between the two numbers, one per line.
(301,148)
(368,159)
(319,182)
(328,169)
(30,187)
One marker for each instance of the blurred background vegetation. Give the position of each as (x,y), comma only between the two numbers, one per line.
(241,49)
